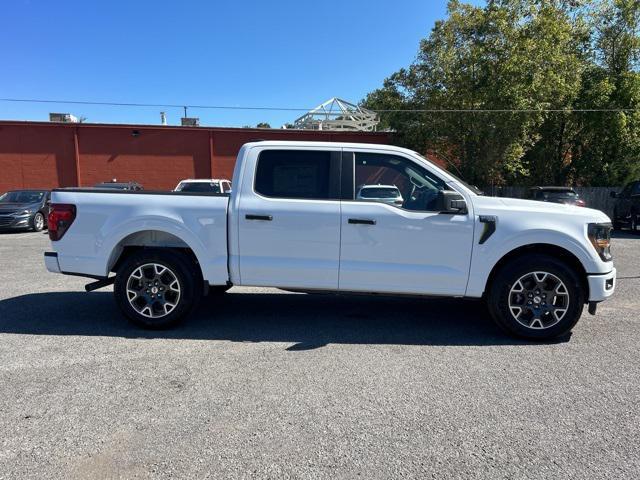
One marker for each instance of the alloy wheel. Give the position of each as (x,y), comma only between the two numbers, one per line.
(153,290)
(38,221)
(538,300)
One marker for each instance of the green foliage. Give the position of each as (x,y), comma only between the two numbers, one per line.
(522,67)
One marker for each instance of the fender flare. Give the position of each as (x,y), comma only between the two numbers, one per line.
(495,254)
(109,243)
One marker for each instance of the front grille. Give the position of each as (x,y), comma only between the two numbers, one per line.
(5,221)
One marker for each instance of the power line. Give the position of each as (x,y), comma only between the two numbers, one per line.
(163,105)
(297,109)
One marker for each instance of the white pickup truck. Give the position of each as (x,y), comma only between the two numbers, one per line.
(293,221)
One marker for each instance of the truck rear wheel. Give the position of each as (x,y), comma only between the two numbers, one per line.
(157,288)
(537,297)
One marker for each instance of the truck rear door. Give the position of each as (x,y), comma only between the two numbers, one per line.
(289,218)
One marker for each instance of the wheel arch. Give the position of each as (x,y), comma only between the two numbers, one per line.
(152,238)
(560,253)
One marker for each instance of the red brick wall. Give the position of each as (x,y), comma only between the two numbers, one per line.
(157,159)
(35,157)
(43,155)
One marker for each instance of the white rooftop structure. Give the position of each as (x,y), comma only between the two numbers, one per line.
(338,114)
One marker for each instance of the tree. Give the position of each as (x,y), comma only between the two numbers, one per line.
(607,148)
(263,125)
(497,86)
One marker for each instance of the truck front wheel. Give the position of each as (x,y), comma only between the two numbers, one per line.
(157,288)
(537,297)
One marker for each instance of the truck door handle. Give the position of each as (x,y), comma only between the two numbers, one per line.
(267,218)
(361,221)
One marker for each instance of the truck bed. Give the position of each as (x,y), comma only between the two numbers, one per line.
(107,221)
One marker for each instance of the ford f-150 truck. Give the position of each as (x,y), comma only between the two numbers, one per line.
(293,221)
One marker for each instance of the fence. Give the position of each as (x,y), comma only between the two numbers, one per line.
(595,197)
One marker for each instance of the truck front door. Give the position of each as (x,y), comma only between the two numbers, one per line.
(400,244)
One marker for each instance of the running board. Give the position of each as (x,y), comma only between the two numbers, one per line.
(90,287)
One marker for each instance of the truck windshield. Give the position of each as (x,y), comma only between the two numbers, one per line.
(473,188)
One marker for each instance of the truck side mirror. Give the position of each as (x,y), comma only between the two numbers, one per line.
(613,194)
(451,202)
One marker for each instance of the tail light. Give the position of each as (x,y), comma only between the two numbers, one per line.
(61,216)
(580,203)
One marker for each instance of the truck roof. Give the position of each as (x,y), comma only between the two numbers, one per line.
(337,145)
(300,143)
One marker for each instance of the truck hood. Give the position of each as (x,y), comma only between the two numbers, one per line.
(494,205)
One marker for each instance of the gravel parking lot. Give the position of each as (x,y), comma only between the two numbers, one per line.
(262,383)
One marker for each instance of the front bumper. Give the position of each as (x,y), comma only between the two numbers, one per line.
(51,262)
(14,222)
(601,286)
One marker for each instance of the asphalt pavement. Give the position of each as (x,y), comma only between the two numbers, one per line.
(267,384)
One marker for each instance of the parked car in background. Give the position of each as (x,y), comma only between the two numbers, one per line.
(626,212)
(24,210)
(212,185)
(566,195)
(115,185)
(380,193)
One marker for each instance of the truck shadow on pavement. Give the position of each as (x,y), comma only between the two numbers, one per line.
(307,321)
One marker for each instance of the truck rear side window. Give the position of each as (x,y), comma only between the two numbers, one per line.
(301,174)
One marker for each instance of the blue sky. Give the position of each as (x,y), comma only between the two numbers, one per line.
(243,53)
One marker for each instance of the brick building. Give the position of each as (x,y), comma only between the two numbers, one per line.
(49,155)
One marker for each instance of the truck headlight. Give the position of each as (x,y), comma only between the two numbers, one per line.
(600,237)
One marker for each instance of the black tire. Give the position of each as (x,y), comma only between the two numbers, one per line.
(183,270)
(500,294)
(37,222)
(215,290)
